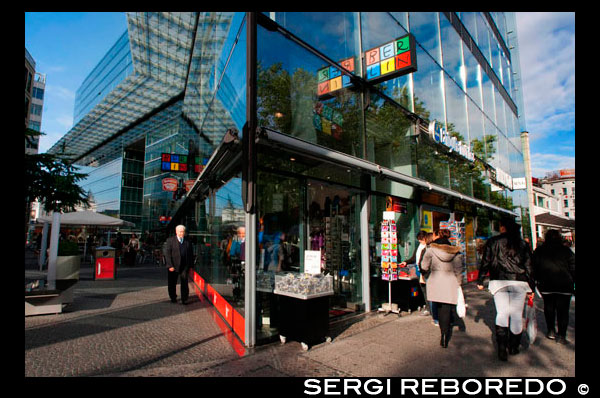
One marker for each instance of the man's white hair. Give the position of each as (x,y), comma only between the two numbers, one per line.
(180,227)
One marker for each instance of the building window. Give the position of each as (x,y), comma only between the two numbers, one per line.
(567,214)
(38,93)
(36,109)
(564,191)
(552,191)
(566,203)
(540,201)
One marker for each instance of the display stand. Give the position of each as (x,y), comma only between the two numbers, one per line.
(389,258)
(304,307)
(390,307)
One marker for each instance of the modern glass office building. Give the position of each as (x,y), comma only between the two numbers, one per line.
(300,130)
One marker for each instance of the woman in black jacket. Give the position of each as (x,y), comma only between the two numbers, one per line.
(507,258)
(554,270)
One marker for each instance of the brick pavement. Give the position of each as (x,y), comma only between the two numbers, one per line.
(128,327)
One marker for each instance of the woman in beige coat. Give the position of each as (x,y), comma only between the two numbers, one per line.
(445,263)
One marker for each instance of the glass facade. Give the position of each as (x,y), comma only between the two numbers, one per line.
(115,66)
(188,88)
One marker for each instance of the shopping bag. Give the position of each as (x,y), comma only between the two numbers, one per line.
(530,321)
(460,305)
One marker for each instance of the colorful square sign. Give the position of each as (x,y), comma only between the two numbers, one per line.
(331,79)
(391,60)
(173,162)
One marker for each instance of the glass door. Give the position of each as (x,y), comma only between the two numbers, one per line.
(334,228)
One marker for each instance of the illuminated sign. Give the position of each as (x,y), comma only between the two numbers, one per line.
(440,135)
(331,79)
(177,163)
(390,60)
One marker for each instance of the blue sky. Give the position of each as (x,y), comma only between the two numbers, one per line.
(66,46)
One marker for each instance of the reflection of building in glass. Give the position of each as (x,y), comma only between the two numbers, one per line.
(327,167)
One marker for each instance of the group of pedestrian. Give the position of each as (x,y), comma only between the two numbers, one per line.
(514,274)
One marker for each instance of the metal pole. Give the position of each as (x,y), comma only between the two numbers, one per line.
(44,245)
(364,253)
(249,183)
(527,161)
(54,235)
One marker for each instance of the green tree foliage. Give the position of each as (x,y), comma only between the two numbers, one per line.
(52,181)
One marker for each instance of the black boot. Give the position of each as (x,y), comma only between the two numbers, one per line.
(514,341)
(444,340)
(502,341)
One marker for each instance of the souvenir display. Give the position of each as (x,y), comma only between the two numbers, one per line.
(389,251)
(302,285)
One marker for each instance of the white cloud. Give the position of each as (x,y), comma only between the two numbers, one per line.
(542,163)
(547,58)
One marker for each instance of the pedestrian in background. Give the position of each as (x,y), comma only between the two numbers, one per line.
(507,258)
(444,262)
(179,257)
(554,271)
(416,258)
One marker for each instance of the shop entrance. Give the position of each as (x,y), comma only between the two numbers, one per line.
(334,228)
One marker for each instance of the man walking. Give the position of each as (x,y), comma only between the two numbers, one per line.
(179,257)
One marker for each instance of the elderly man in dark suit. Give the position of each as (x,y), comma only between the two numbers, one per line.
(179,257)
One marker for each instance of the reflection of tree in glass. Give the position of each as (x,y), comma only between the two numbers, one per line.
(286,103)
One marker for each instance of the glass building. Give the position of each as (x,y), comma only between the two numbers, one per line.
(299,131)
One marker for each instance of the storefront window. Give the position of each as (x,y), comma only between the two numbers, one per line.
(389,133)
(217,227)
(289,99)
(432,164)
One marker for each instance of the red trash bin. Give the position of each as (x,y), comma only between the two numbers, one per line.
(105,267)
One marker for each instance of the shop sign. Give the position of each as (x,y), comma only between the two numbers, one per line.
(177,163)
(504,179)
(395,205)
(312,261)
(169,184)
(567,173)
(519,183)
(393,59)
(438,132)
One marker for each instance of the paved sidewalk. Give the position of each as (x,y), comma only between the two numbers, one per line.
(128,327)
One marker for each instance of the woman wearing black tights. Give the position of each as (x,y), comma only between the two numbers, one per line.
(554,272)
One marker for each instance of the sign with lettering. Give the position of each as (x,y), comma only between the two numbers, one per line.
(438,132)
(331,79)
(393,59)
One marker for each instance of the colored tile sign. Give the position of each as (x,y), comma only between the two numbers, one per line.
(331,79)
(180,163)
(390,60)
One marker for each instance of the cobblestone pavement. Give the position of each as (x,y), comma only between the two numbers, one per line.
(128,327)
